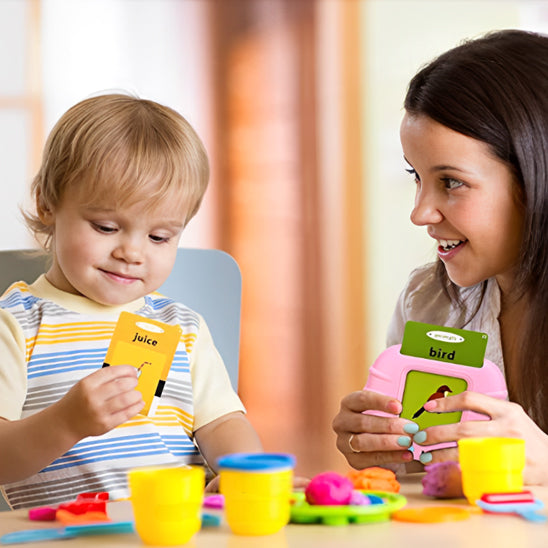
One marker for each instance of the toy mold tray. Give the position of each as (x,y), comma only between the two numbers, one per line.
(302,512)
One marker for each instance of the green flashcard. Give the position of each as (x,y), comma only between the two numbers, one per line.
(421,387)
(445,344)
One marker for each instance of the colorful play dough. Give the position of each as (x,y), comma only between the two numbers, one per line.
(329,489)
(443,480)
(374,478)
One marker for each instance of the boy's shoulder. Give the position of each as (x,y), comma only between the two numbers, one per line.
(168,310)
(18,296)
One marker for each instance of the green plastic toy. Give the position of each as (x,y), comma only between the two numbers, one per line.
(302,512)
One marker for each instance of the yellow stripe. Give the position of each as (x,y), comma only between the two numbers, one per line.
(165,416)
(189,341)
(85,332)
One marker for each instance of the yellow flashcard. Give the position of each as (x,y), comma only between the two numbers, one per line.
(149,346)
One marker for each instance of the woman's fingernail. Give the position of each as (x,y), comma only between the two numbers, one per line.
(425,458)
(420,437)
(404,441)
(411,428)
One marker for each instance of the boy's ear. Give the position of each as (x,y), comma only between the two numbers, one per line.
(45,214)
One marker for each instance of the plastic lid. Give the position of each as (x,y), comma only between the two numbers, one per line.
(432,514)
(257,461)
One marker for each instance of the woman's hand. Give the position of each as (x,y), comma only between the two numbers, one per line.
(369,440)
(507,420)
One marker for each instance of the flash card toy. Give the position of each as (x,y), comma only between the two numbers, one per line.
(149,346)
(435,362)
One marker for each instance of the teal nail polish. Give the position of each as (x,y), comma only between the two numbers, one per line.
(420,437)
(404,441)
(425,458)
(411,428)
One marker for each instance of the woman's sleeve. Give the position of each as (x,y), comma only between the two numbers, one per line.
(422,300)
(396,326)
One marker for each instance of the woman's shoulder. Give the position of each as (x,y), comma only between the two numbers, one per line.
(423,283)
(425,298)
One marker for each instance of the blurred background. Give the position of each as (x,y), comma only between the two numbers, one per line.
(298,103)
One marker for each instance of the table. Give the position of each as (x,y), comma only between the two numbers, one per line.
(484,531)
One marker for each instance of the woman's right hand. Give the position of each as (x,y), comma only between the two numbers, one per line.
(369,440)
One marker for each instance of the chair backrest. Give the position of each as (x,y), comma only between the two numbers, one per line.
(207,280)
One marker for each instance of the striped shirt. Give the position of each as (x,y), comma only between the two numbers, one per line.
(62,338)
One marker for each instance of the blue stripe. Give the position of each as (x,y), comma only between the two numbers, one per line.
(60,370)
(57,363)
(120,456)
(97,451)
(15,299)
(131,450)
(120,438)
(107,446)
(72,352)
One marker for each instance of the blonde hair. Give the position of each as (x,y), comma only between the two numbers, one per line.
(121,149)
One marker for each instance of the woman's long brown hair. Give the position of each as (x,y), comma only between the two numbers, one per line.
(495,89)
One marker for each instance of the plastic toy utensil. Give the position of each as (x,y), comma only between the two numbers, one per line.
(527,510)
(36,535)
(72,531)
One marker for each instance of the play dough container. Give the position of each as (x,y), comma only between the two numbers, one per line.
(167,503)
(257,488)
(491,465)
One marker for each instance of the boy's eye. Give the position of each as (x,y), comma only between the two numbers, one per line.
(104,228)
(158,239)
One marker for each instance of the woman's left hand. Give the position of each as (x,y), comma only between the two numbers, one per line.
(507,420)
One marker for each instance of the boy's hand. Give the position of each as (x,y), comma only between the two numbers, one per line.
(101,401)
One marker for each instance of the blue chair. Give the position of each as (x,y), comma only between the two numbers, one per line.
(207,280)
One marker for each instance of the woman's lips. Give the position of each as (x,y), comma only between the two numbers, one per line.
(448,254)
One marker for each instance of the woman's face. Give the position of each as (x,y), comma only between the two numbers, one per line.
(467,199)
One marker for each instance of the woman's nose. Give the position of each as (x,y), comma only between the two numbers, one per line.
(426,209)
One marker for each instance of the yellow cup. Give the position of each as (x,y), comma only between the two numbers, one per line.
(491,465)
(167,503)
(257,490)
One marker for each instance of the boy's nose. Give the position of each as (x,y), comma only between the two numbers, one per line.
(129,251)
(426,210)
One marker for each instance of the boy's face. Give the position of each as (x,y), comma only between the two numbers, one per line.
(113,256)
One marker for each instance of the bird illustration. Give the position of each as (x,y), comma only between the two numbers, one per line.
(442,392)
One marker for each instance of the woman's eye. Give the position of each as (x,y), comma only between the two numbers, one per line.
(451,184)
(412,172)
